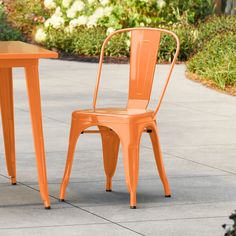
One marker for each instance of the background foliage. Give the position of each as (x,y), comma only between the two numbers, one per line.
(79,27)
(25,15)
(6,31)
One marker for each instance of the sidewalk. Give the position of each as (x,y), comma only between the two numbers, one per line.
(198,136)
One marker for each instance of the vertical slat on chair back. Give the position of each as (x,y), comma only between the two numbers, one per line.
(143,57)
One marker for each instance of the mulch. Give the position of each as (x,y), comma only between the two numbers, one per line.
(93,59)
(230,90)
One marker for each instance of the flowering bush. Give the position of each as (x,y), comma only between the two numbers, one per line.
(80,26)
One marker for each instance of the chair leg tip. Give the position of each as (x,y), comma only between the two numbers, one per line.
(47,208)
(13,180)
(61,200)
(108,190)
(167,196)
(132,207)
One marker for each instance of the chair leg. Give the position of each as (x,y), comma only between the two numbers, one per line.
(74,135)
(110,145)
(131,164)
(159,160)
(7,111)
(130,139)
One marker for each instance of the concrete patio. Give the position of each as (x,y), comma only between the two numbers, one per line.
(198,136)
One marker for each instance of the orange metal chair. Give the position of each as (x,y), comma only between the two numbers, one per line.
(126,125)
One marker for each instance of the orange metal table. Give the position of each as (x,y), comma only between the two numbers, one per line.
(19,54)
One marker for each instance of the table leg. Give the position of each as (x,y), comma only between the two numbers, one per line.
(7,111)
(33,88)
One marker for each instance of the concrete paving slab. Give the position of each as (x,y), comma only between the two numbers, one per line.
(210,155)
(18,196)
(191,227)
(71,230)
(28,217)
(165,211)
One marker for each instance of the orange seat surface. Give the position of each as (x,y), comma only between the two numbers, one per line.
(115,112)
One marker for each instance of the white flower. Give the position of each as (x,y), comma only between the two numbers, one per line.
(92,21)
(91,1)
(104,2)
(49,4)
(107,11)
(40,35)
(71,13)
(66,3)
(161,3)
(56,20)
(99,12)
(78,5)
(110,30)
(82,20)
(58,12)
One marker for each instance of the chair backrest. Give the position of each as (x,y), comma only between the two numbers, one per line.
(143,57)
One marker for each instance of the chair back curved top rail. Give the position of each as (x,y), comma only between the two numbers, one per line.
(145,44)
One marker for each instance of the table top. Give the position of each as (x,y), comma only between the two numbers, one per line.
(20,50)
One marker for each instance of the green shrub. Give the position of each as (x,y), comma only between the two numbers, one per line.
(214,26)
(87,42)
(6,31)
(83,42)
(216,61)
(188,37)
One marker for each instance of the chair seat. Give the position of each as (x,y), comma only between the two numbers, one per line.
(116,113)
